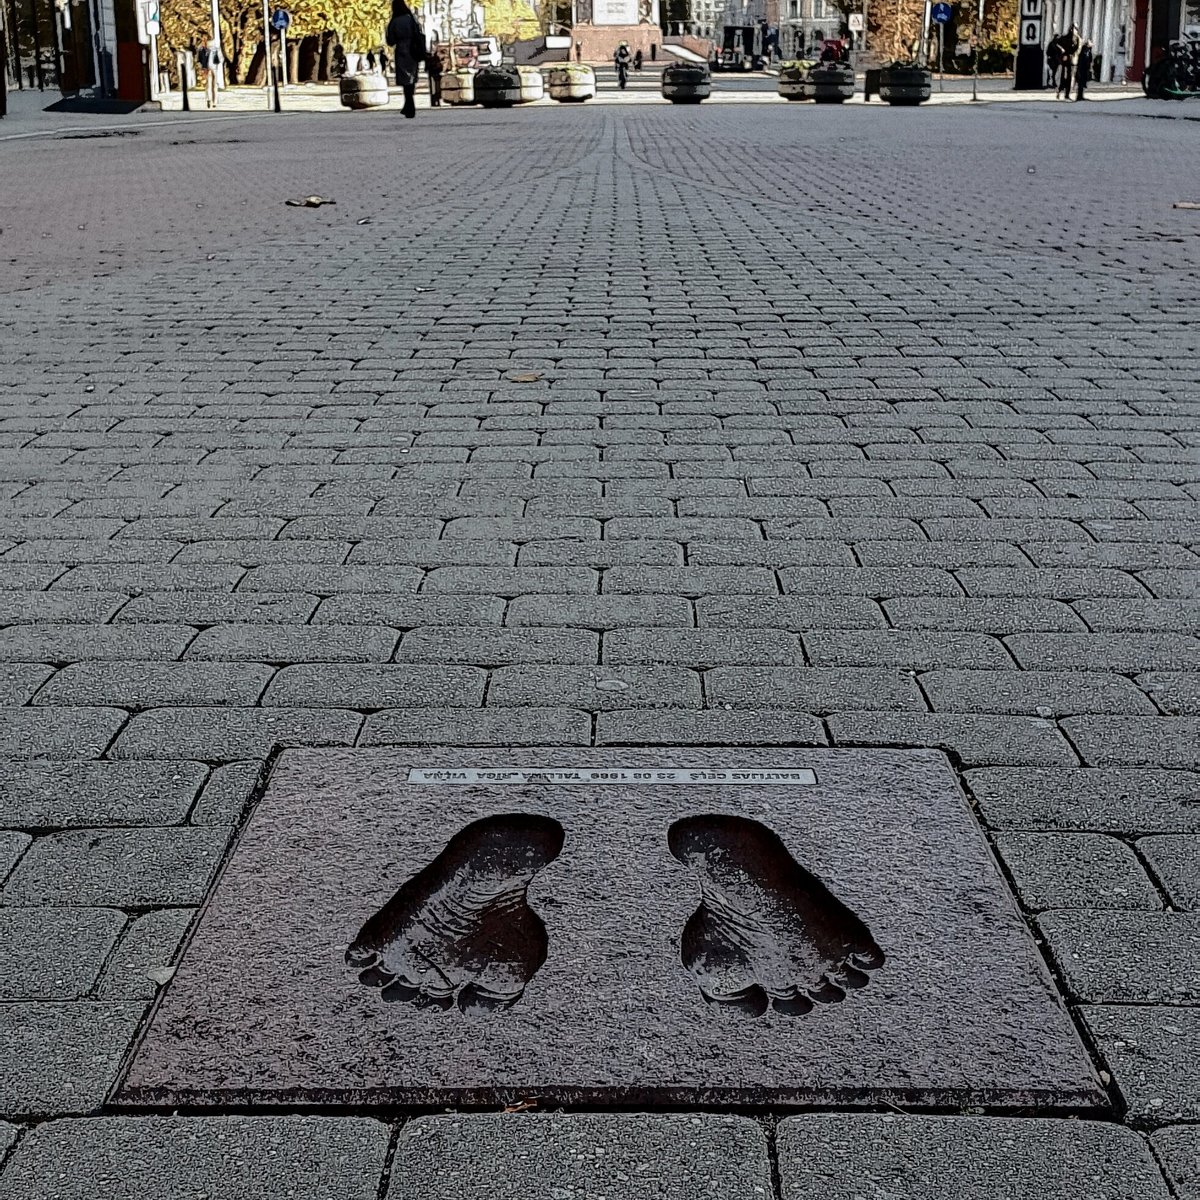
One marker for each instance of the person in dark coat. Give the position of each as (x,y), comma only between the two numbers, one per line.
(1071,44)
(433,68)
(1054,57)
(1083,69)
(408,42)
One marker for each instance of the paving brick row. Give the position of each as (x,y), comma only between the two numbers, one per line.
(1076,870)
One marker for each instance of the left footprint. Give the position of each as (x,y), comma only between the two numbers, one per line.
(461,930)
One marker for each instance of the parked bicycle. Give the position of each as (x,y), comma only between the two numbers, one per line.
(1176,76)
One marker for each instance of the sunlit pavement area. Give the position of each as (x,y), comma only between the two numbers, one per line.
(791,426)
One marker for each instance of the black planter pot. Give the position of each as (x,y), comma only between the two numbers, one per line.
(686,83)
(905,85)
(829,83)
(497,87)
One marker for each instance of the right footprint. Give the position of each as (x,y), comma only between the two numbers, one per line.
(767,931)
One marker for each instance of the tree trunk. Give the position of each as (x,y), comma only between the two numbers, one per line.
(256,72)
(325,69)
(293,60)
(310,58)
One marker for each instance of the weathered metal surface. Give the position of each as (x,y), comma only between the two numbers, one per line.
(616,940)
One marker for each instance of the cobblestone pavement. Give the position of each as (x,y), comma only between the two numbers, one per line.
(871,428)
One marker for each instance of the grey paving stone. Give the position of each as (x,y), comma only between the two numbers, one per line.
(1076,870)
(295,643)
(590,553)
(25,608)
(770,554)
(1036,693)
(157,684)
(1178,1149)
(856,1156)
(1136,741)
(491,646)
(200,1158)
(1126,957)
(228,734)
(148,945)
(321,580)
(512,581)
(40,795)
(1183,585)
(54,953)
(594,688)
(61,1058)
(1175,859)
(1151,1052)
(811,689)
(995,615)
(227,792)
(8,1135)
(916,650)
(708,727)
(12,846)
(1061,583)
(58,732)
(1114,801)
(1176,693)
(976,740)
(949,555)
(76,643)
(19,681)
(1141,616)
(133,578)
(489,727)
(873,582)
(599,612)
(214,608)
(409,612)
(375,686)
(1127,653)
(790,612)
(702,647)
(635,1156)
(690,581)
(425,553)
(132,868)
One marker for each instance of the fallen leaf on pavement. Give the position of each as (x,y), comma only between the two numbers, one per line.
(526,377)
(309,202)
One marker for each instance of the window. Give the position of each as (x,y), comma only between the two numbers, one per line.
(818,10)
(794,9)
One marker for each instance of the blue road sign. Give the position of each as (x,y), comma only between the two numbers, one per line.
(281,18)
(941,13)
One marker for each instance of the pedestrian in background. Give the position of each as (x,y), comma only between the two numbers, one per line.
(210,59)
(1072,43)
(408,43)
(1054,56)
(1083,69)
(637,60)
(433,68)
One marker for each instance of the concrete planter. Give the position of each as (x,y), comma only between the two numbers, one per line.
(905,85)
(366,90)
(533,84)
(790,84)
(571,84)
(686,83)
(458,87)
(497,87)
(829,83)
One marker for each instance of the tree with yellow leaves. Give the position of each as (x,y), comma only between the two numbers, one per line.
(510,20)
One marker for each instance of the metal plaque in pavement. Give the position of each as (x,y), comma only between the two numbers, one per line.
(611,926)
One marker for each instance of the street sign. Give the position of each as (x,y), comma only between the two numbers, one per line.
(281,19)
(941,12)
(856,22)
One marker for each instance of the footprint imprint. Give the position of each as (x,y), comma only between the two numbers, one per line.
(767,931)
(461,931)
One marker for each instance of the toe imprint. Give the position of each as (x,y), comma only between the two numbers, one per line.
(767,932)
(461,931)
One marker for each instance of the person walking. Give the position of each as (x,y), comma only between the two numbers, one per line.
(621,61)
(1072,43)
(408,42)
(209,59)
(1054,57)
(579,52)
(433,68)
(1083,69)
(637,61)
